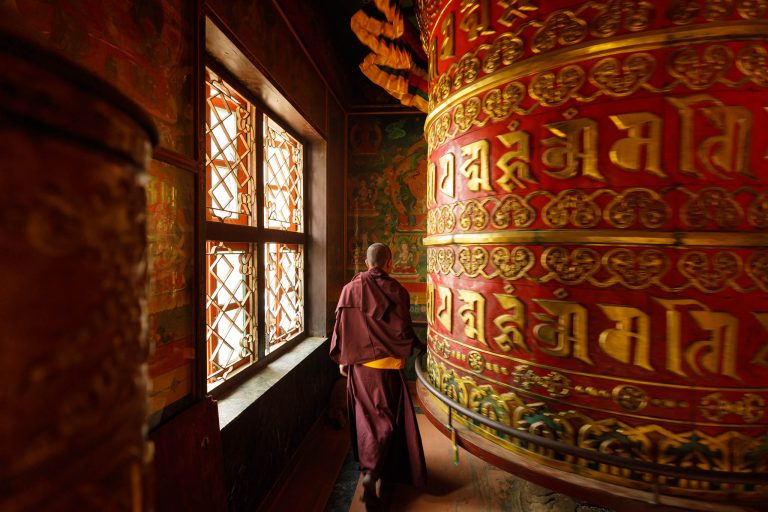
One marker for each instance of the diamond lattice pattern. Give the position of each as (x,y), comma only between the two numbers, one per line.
(230,309)
(229,148)
(283,178)
(284,287)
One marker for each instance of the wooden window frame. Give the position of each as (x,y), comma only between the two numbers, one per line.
(257,235)
(242,218)
(209,317)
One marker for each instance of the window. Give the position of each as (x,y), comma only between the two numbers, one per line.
(255,232)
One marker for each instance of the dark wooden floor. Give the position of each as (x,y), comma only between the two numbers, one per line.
(312,476)
(325,479)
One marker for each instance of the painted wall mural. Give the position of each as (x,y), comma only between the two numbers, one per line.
(143,48)
(386,192)
(170,233)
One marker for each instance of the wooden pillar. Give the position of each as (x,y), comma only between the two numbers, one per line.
(597,242)
(73,347)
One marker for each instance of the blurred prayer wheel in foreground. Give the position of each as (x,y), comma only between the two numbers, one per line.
(73,265)
(597,242)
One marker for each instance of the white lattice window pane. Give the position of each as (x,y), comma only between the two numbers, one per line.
(283,179)
(230,136)
(224,197)
(284,293)
(230,309)
(224,132)
(230,326)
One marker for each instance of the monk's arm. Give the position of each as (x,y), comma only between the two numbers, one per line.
(336,341)
(405,299)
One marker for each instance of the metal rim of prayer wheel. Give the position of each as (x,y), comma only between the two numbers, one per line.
(596,236)
(73,254)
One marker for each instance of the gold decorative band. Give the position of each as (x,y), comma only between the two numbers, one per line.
(592,407)
(602,237)
(750,30)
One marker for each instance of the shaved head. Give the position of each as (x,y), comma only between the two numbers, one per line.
(378,255)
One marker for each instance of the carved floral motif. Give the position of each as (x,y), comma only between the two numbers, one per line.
(512,210)
(712,206)
(700,71)
(571,207)
(636,270)
(512,264)
(629,267)
(710,275)
(622,79)
(472,260)
(637,205)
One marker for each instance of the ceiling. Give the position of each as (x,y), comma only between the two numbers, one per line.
(324,28)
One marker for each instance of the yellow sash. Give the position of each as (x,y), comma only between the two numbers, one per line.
(387,363)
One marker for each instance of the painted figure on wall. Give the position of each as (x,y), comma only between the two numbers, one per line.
(405,258)
(365,138)
(386,194)
(400,190)
(363,197)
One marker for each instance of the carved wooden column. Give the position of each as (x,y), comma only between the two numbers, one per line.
(73,288)
(597,240)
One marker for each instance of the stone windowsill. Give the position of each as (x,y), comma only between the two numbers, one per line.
(239,399)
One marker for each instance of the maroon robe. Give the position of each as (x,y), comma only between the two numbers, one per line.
(373,321)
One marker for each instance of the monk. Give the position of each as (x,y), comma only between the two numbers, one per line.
(372,338)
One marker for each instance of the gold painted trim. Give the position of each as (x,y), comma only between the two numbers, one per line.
(573,404)
(439,17)
(731,31)
(601,237)
(621,380)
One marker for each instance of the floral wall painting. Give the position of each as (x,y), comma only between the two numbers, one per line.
(386,197)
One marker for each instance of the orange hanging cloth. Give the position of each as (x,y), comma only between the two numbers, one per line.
(397,62)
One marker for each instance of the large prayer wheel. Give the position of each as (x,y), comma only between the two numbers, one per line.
(73,397)
(597,243)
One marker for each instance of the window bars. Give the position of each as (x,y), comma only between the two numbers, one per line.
(235,290)
(283,165)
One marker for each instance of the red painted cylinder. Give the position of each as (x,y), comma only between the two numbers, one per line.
(597,241)
(73,387)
